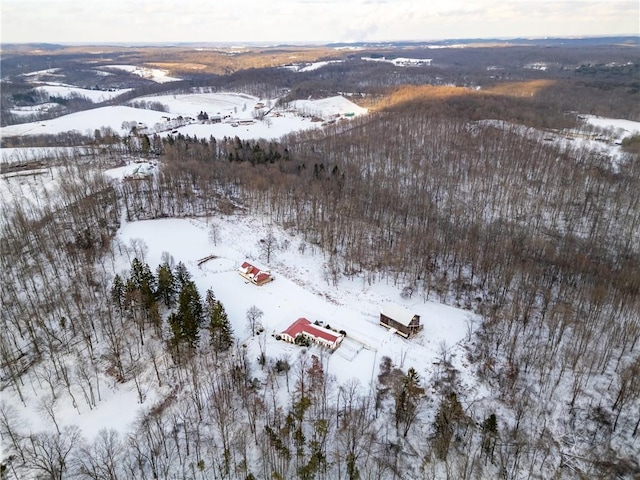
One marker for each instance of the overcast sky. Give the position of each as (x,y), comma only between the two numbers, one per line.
(274,21)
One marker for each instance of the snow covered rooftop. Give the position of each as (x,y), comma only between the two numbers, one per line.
(397,313)
(302,325)
(254,274)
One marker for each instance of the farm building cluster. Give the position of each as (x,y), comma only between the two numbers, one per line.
(304,332)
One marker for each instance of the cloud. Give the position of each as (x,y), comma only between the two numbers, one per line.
(307,20)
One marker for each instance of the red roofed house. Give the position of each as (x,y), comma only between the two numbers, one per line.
(322,336)
(255,275)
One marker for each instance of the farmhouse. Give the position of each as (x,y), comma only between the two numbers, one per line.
(254,274)
(403,321)
(319,335)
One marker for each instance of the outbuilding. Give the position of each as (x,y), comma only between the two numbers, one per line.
(402,320)
(254,274)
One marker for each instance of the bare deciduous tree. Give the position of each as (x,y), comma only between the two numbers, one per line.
(268,245)
(254,317)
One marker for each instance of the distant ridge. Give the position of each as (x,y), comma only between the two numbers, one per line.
(631,40)
(36,46)
(550,41)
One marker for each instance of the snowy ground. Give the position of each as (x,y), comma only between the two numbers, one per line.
(66,91)
(154,74)
(328,108)
(621,128)
(235,107)
(29,188)
(48,71)
(300,290)
(238,105)
(33,109)
(309,67)
(139,169)
(234,104)
(86,122)
(606,143)
(273,128)
(29,154)
(400,61)
(117,410)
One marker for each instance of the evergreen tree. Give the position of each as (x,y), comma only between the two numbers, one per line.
(220,331)
(142,279)
(408,398)
(140,298)
(145,144)
(489,435)
(190,314)
(166,290)
(450,414)
(118,292)
(182,275)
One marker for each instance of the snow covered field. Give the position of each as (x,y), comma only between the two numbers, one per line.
(300,290)
(239,105)
(273,128)
(620,127)
(400,61)
(38,73)
(33,109)
(309,67)
(327,108)
(86,122)
(154,74)
(234,106)
(66,91)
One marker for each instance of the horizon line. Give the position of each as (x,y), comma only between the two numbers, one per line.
(320,43)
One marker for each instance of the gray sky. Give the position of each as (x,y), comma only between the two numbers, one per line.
(272,21)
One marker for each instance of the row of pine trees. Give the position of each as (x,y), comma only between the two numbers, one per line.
(146,298)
